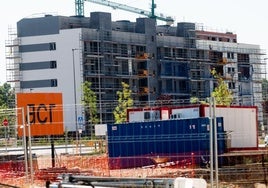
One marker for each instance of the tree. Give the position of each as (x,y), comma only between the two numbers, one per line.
(7,101)
(196,100)
(222,94)
(124,101)
(7,96)
(90,100)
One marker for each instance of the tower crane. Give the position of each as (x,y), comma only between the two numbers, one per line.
(79,9)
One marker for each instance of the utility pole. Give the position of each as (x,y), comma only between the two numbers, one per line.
(30,144)
(75,107)
(213,142)
(25,144)
(99,75)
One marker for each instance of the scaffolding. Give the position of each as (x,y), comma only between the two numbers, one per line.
(13,57)
(183,70)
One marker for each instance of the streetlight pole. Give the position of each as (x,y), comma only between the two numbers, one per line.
(252,85)
(25,143)
(30,144)
(99,76)
(75,108)
(211,142)
(265,67)
(148,81)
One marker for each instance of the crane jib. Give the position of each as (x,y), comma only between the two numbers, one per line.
(79,9)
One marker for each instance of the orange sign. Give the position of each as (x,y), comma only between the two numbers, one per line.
(43,111)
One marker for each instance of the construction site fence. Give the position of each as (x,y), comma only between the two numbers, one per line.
(96,163)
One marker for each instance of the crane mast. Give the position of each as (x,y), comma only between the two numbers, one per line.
(153,6)
(80,9)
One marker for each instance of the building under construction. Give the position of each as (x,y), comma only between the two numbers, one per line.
(57,54)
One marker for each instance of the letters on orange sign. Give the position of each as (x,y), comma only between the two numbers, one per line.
(43,111)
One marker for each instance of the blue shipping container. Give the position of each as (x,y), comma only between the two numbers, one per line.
(137,144)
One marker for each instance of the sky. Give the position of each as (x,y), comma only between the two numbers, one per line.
(246,18)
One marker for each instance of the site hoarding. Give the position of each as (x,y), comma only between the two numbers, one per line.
(45,113)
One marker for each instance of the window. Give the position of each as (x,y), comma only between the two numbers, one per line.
(243,58)
(125,70)
(53,64)
(52,46)
(54,83)
(231,85)
(147,116)
(183,86)
(169,85)
(39,83)
(168,69)
(38,65)
(124,50)
(230,55)
(231,70)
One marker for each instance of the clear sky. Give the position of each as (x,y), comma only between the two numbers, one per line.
(246,18)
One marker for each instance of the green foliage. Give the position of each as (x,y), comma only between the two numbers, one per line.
(194,100)
(90,100)
(222,94)
(124,102)
(7,95)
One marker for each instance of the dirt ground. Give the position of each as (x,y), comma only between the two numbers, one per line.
(86,165)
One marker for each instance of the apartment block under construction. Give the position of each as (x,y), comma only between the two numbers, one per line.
(57,54)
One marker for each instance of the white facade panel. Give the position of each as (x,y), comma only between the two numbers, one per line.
(66,41)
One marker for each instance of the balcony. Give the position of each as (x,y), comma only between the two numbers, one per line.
(142,72)
(143,90)
(142,56)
